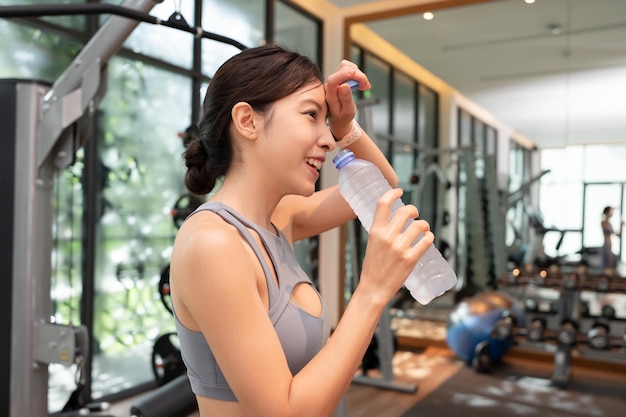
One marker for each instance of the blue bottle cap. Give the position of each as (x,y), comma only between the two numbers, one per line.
(354,84)
(342,158)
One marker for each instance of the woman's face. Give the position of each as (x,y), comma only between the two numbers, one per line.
(296,139)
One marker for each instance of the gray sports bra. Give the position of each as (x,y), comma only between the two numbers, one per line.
(301,334)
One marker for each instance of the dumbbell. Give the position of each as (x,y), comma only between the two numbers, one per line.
(531,304)
(503,328)
(536,329)
(608,311)
(598,336)
(567,333)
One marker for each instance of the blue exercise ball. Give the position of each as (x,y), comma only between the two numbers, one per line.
(485,323)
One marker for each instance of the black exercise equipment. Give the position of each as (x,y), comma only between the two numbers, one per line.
(598,336)
(164,289)
(570,324)
(482,357)
(379,355)
(183,207)
(167,362)
(371,359)
(503,329)
(537,329)
(567,335)
(562,367)
(537,256)
(95,409)
(175,399)
(608,311)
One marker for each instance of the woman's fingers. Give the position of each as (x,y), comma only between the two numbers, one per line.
(395,243)
(383,206)
(349,71)
(341,106)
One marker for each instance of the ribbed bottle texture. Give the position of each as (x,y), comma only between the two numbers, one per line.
(362,184)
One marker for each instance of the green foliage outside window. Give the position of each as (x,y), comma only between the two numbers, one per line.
(30,53)
(142,177)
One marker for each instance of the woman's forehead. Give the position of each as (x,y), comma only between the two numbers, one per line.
(311,93)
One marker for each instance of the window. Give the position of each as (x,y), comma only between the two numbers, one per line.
(297,31)
(142,178)
(155,85)
(581,182)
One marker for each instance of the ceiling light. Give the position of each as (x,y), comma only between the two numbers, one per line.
(529,1)
(428,16)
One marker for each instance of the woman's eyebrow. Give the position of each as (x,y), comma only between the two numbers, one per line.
(313,102)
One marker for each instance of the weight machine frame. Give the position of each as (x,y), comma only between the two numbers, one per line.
(49,124)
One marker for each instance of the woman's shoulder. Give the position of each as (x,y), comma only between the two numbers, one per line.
(206,229)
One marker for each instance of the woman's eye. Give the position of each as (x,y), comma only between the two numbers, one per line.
(312,113)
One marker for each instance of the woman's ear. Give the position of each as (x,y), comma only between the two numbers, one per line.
(245,120)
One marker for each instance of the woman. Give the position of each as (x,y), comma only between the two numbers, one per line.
(253,330)
(608,257)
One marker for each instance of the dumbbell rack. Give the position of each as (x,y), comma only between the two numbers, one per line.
(559,321)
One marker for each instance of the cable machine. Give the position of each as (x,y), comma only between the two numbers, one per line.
(44,126)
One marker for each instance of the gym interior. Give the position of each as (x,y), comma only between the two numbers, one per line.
(96,100)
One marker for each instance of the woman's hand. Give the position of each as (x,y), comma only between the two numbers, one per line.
(390,256)
(341,106)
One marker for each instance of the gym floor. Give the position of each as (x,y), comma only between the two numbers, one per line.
(515,386)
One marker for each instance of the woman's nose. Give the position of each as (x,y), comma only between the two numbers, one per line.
(327,141)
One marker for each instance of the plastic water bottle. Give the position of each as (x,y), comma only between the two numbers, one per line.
(362,184)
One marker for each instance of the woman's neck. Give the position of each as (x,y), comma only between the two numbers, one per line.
(248,200)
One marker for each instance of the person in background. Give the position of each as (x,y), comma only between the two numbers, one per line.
(253,330)
(608,258)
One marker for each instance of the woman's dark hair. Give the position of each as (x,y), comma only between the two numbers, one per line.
(606,210)
(258,76)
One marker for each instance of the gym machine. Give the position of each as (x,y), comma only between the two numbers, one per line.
(43,127)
